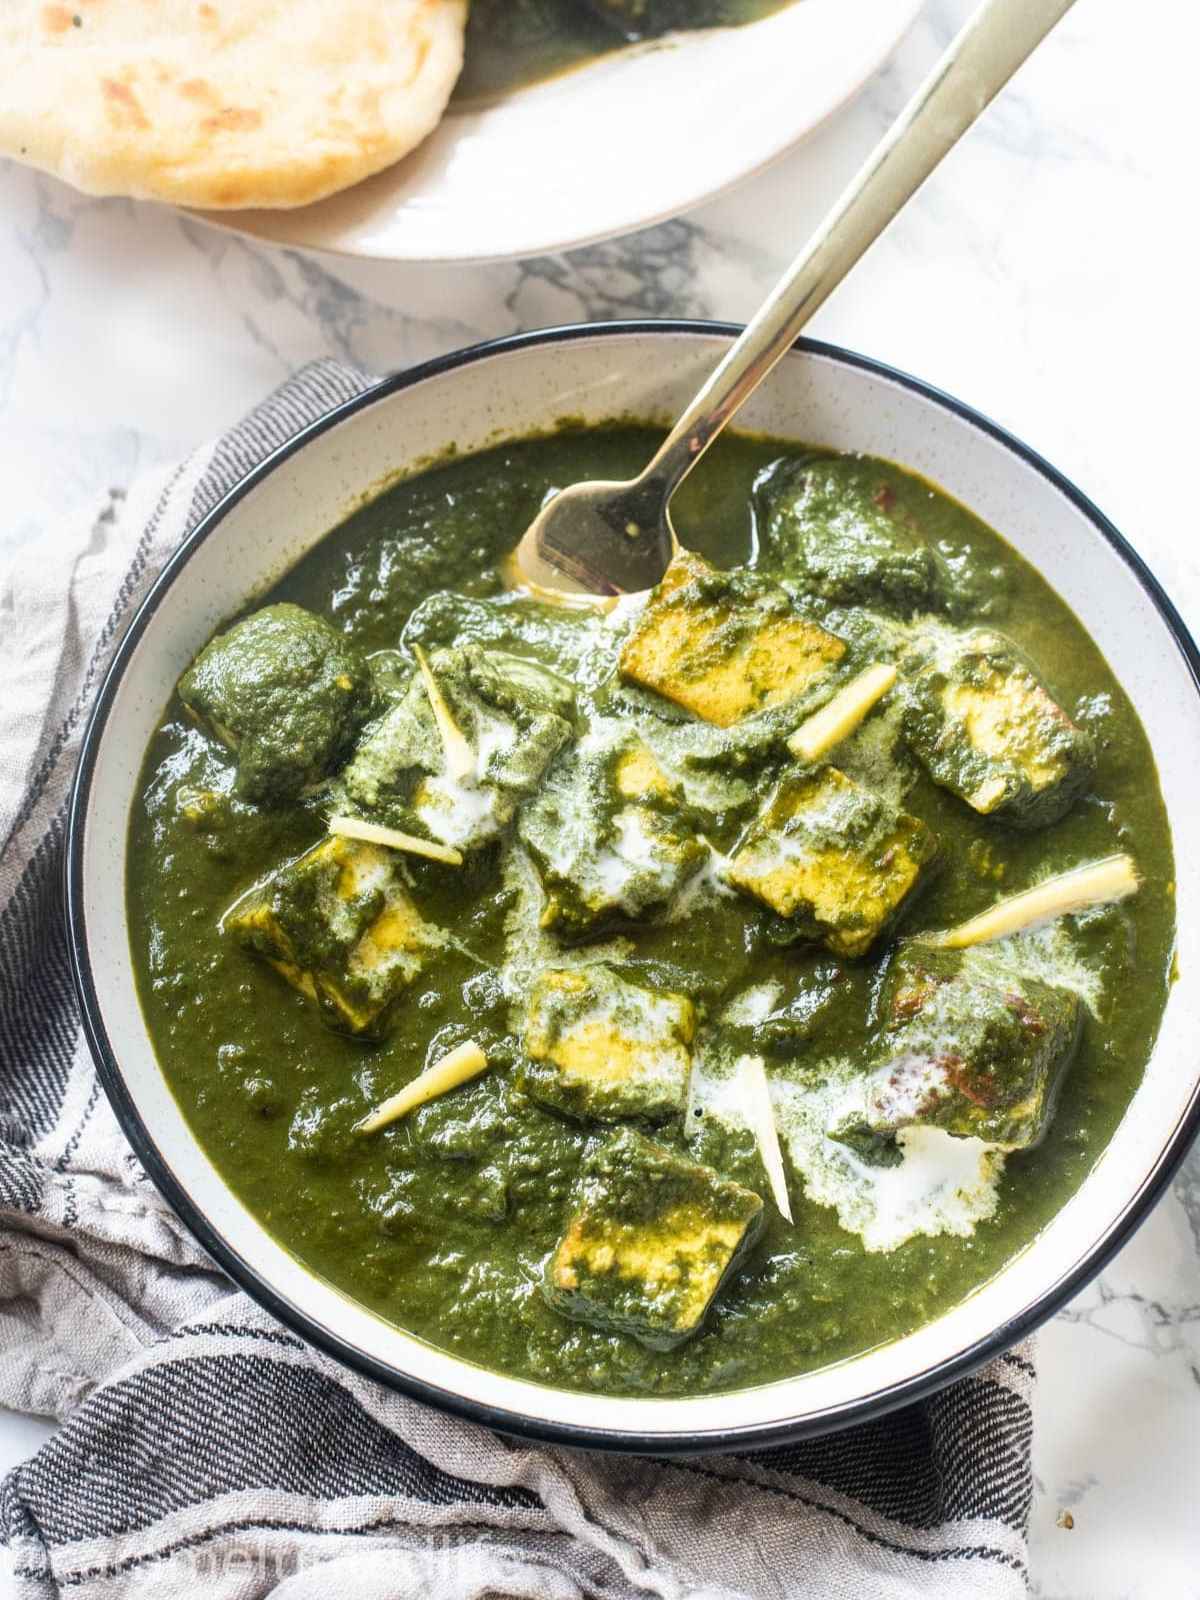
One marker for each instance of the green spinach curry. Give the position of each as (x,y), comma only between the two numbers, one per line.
(510,43)
(667,998)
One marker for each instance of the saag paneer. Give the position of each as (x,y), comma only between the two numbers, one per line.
(469,929)
(510,43)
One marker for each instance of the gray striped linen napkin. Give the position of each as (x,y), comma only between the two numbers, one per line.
(203,1447)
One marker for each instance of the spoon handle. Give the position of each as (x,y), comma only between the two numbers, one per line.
(980,61)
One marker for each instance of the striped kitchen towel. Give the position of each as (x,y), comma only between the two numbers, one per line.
(204,1449)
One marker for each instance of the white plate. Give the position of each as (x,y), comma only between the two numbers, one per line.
(616,145)
(818,395)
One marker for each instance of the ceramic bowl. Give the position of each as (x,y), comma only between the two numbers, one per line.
(634,137)
(517,386)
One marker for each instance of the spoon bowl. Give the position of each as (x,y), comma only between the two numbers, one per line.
(600,538)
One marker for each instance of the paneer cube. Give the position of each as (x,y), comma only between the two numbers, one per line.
(833,858)
(287,693)
(598,1045)
(513,716)
(653,1238)
(339,926)
(725,645)
(985,728)
(611,836)
(837,523)
(971,1047)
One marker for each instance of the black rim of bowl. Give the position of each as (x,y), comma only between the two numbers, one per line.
(142,1139)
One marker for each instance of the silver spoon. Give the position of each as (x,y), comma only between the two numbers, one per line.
(607,538)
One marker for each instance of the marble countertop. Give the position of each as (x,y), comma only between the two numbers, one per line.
(1046,275)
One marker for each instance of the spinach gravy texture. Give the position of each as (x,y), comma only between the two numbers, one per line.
(510,43)
(645,1000)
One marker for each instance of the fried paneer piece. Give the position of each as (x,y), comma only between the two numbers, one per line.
(600,1046)
(724,645)
(339,926)
(985,728)
(611,836)
(513,714)
(653,1238)
(284,691)
(833,858)
(835,523)
(970,1047)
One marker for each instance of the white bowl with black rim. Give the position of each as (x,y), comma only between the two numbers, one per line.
(519,386)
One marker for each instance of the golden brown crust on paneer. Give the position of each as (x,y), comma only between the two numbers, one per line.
(722,654)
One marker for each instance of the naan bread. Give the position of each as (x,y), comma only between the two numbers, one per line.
(223,103)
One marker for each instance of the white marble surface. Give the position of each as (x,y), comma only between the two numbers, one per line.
(1047,274)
